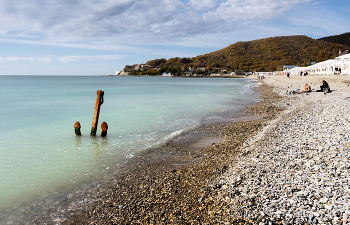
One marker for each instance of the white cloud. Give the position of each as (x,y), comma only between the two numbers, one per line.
(133,21)
(45,59)
(90,58)
(252,11)
(319,2)
(202,4)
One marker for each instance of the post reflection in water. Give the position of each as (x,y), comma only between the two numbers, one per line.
(99,147)
(78,142)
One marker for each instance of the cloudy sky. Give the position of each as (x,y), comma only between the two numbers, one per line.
(99,37)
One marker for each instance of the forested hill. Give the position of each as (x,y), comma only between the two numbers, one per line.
(268,54)
(340,39)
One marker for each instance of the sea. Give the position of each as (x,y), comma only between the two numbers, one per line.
(40,152)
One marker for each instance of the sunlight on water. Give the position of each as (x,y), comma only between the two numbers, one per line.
(39,151)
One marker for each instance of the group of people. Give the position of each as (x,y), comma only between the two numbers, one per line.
(305,73)
(323,88)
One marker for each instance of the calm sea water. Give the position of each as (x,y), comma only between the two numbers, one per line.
(40,152)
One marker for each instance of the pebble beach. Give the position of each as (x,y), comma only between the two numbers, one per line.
(296,169)
(289,165)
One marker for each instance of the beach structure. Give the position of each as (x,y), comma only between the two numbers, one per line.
(286,69)
(262,73)
(104,128)
(98,103)
(340,66)
(77,128)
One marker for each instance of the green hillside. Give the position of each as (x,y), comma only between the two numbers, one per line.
(270,54)
(340,39)
(265,54)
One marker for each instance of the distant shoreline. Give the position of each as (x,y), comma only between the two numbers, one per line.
(234,76)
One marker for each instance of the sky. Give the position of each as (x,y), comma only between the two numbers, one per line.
(100,37)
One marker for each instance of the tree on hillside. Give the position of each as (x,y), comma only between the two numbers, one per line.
(264,54)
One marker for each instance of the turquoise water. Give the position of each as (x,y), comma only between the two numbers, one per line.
(40,152)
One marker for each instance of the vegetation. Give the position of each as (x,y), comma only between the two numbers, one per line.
(343,39)
(268,54)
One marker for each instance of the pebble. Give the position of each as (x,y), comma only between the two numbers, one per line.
(305,153)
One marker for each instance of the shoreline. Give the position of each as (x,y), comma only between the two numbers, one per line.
(222,76)
(184,154)
(295,171)
(288,167)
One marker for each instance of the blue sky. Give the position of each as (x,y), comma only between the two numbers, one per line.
(99,37)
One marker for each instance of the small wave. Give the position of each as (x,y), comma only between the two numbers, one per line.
(214,117)
(173,134)
(129,156)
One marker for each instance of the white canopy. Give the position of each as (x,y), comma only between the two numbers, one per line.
(339,65)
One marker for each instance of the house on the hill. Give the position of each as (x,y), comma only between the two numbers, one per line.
(138,67)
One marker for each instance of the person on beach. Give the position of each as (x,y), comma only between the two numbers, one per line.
(307,89)
(325,86)
(288,75)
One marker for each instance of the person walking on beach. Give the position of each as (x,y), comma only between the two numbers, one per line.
(288,75)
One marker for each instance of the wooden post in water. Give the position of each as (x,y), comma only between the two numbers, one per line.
(104,128)
(99,102)
(77,128)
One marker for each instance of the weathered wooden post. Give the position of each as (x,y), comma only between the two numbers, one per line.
(77,128)
(104,128)
(99,102)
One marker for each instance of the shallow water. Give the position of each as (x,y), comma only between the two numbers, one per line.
(40,153)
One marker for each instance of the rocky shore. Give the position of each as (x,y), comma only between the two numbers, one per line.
(296,170)
(169,185)
(288,167)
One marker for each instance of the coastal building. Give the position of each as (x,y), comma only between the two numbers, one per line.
(261,73)
(138,67)
(286,69)
(165,74)
(340,66)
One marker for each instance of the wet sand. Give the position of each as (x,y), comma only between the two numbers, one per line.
(174,184)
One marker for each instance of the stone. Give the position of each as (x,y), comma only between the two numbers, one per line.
(324,200)
(329,207)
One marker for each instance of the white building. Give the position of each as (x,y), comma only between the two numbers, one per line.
(339,65)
